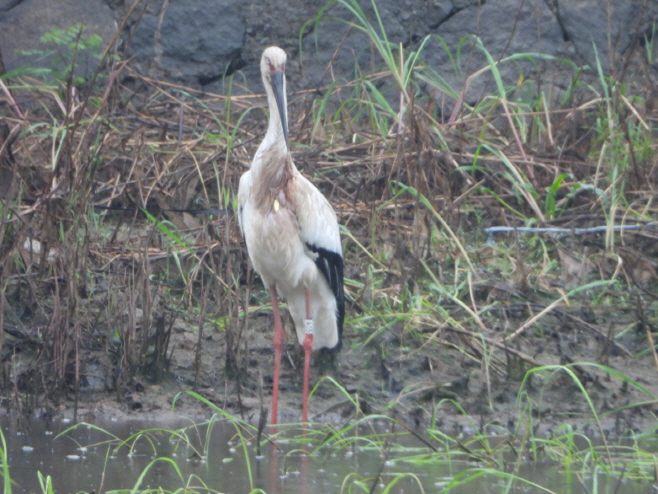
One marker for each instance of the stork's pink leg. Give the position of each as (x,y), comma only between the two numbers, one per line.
(308,345)
(278,346)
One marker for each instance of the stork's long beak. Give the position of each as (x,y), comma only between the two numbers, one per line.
(279,95)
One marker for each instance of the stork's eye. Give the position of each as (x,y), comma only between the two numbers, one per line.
(267,59)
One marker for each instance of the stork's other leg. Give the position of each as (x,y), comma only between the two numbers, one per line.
(308,346)
(278,346)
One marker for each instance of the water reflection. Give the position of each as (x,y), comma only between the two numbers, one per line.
(86,459)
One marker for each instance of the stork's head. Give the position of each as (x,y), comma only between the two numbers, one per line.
(273,70)
(273,61)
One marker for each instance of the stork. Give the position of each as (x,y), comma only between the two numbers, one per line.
(292,236)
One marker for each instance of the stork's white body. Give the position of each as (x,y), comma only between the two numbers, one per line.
(278,240)
(291,231)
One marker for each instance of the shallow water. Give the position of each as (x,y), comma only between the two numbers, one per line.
(76,465)
(83,460)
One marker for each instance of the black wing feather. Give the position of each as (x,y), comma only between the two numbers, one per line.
(330,265)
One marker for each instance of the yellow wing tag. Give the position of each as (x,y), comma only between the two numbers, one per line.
(276,205)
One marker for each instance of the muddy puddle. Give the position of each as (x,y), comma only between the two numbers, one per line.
(86,459)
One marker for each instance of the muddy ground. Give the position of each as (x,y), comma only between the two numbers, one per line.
(412,383)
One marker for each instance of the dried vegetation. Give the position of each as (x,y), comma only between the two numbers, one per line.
(118,232)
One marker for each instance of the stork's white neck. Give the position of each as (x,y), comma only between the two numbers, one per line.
(275,137)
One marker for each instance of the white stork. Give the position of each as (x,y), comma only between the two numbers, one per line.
(292,235)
